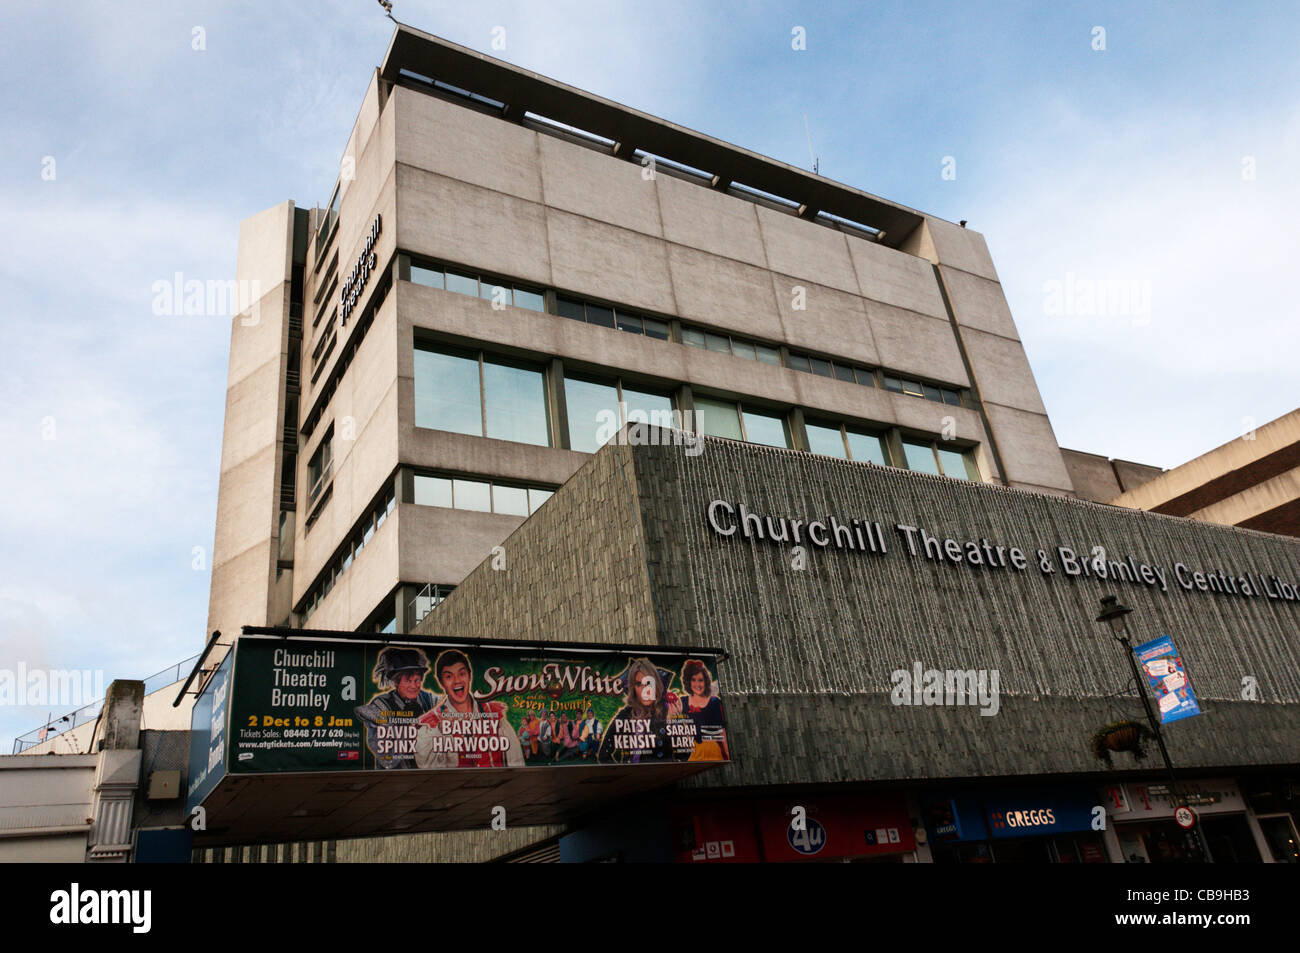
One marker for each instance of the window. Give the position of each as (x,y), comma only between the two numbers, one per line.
(934,457)
(724,418)
(867,446)
(607,316)
(597,409)
(959,464)
(828,441)
(725,344)
(320,465)
(717,418)
(472,495)
(833,440)
(920,457)
(342,561)
(470,393)
(511,500)
(463,282)
(447,391)
(765,428)
(478,495)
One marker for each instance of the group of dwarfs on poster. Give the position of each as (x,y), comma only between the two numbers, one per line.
(432,710)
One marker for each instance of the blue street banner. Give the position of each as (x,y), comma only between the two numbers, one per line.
(1168,679)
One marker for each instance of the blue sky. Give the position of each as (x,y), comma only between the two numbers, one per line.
(1123,164)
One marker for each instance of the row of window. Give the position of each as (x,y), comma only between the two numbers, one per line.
(341,563)
(474,393)
(609,316)
(736,421)
(479,495)
(320,466)
(476,286)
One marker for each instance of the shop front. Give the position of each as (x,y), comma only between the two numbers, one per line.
(798,828)
(1030,825)
(1275,802)
(1143,815)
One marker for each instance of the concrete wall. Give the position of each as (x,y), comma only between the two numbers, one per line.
(45,807)
(244,544)
(812,650)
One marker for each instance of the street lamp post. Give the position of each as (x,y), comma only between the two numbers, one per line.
(1113,614)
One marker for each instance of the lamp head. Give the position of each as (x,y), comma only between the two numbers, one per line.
(1112,613)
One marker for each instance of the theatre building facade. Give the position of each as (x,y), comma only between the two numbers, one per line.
(911,665)
(857,499)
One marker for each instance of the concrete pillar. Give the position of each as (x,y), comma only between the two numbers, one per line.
(117,775)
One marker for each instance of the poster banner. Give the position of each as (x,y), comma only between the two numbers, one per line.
(1168,679)
(208,735)
(300,705)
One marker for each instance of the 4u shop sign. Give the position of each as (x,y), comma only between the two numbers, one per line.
(813,828)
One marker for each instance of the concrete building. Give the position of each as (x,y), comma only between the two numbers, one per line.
(508,271)
(691,544)
(1253,481)
(506,261)
(1101,479)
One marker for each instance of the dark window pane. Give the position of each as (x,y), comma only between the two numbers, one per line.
(717,418)
(768,429)
(447,392)
(951,397)
(825,440)
(894,384)
(515,401)
(718,342)
(462,284)
(800,363)
(692,337)
(865,377)
(630,323)
(920,457)
(932,393)
(768,355)
(598,315)
(913,388)
(844,373)
(592,410)
(820,367)
(868,446)
(743,349)
(529,299)
(656,329)
(426,276)
(568,308)
(511,500)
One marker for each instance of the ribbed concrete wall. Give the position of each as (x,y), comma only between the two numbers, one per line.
(812,650)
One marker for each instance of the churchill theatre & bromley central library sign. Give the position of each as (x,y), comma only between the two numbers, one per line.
(869,538)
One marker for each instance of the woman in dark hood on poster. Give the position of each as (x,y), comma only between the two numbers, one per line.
(639,732)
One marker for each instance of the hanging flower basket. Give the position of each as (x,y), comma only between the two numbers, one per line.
(1130,736)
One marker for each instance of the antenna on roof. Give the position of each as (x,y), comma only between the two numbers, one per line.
(815,163)
(388,8)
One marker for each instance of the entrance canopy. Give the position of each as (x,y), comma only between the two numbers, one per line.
(305,735)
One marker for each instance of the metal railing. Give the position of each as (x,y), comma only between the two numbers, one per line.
(87,713)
